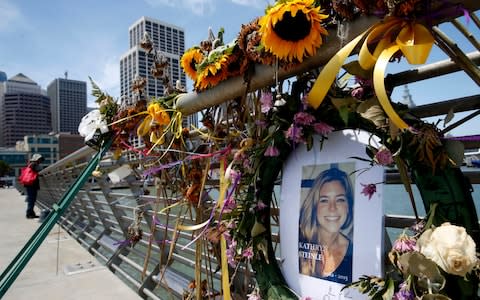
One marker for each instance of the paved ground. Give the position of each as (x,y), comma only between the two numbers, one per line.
(53,272)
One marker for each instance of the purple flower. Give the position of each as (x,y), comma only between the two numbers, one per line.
(303,118)
(405,243)
(248,253)
(295,134)
(404,293)
(384,157)
(266,99)
(369,190)
(272,151)
(322,128)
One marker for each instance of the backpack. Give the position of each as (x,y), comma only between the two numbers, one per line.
(28,176)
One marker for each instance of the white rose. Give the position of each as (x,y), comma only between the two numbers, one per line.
(450,247)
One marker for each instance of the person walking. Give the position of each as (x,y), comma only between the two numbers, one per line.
(32,189)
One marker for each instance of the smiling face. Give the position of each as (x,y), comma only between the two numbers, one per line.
(332,206)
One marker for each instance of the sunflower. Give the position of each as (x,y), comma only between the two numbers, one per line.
(291,30)
(189,61)
(214,68)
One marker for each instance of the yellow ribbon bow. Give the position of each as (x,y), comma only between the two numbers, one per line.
(156,115)
(412,39)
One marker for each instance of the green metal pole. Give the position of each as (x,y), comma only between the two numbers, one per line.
(23,257)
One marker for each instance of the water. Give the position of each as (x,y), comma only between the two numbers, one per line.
(397,202)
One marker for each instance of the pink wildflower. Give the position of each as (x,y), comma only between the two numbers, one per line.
(303,118)
(231,253)
(229,204)
(384,157)
(248,253)
(260,205)
(322,128)
(295,134)
(255,295)
(271,151)
(266,99)
(369,190)
(404,243)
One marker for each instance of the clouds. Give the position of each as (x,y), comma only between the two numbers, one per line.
(254,3)
(9,16)
(204,7)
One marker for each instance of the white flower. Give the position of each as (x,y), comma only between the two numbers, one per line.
(90,123)
(450,247)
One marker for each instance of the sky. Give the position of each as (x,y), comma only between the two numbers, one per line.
(45,39)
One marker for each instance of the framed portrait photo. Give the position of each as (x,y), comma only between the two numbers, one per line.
(331,216)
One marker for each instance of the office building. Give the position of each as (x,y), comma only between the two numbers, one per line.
(69,103)
(170,41)
(24,110)
(44,144)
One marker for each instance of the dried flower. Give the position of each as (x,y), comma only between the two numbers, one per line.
(271,151)
(369,190)
(358,93)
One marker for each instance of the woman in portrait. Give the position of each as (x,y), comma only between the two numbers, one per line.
(326,216)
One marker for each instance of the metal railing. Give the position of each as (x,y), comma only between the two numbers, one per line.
(103,218)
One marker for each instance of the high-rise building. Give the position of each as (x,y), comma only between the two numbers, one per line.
(24,110)
(169,40)
(69,104)
(407,98)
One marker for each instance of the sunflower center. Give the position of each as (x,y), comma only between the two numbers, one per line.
(193,64)
(293,28)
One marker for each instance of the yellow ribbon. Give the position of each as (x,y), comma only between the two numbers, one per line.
(393,34)
(223,243)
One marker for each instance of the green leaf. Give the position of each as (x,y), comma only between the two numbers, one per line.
(344,112)
(371,110)
(388,294)
(354,68)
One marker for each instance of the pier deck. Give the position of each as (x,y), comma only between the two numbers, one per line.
(60,269)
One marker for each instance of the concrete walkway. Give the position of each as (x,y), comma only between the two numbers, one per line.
(57,270)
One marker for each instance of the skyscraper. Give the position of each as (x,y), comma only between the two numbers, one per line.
(170,41)
(24,110)
(69,103)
